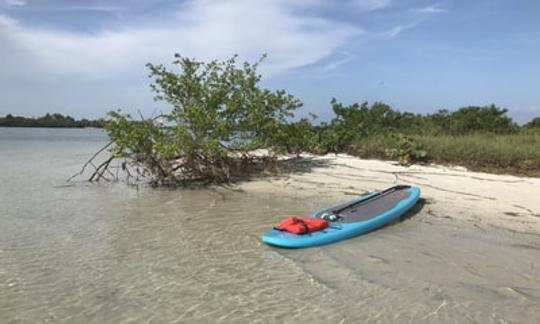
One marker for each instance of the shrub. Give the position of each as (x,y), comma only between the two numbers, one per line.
(219,115)
(407,150)
(472,119)
(533,124)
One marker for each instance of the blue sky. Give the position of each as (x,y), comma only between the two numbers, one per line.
(84,58)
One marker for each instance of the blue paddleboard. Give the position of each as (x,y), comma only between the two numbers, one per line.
(353,218)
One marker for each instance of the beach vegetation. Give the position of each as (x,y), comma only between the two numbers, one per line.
(533,124)
(222,124)
(219,116)
(407,150)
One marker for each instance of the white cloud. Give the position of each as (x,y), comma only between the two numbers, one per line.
(87,8)
(369,5)
(394,31)
(431,9)
(346,57)
(203,29)
(421,15)
(15,3)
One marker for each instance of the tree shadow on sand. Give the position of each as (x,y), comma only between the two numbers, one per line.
(282,169)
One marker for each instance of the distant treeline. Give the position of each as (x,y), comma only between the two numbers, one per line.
(49,120)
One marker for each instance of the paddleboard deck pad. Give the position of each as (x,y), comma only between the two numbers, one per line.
(361,215)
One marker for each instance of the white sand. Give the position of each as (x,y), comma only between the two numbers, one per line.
(480,199)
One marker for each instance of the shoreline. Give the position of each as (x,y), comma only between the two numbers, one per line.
(481,199)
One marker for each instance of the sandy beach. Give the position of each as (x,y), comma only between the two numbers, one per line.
(450,193)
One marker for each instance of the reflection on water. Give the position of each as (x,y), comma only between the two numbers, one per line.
(112,254)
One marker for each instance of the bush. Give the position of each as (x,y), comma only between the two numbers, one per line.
(298,137)
(407,150)
(533,124)
(472,119)
(219,115)
(357,121)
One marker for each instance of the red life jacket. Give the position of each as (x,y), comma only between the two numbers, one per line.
(302,224)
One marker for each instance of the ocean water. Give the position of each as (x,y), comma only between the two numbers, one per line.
(112,253)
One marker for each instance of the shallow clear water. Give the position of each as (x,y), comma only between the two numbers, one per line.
(109,253)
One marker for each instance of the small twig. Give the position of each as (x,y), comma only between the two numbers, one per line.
(90,161)
(101,169)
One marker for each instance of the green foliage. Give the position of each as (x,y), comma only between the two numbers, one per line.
(356,121)
(351,123)
(533,124)
(298,137)
(407,150)
(328,139)
(219,115)
(472,119)
(515,153)
(217,101)
(54,120)
(510,153)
